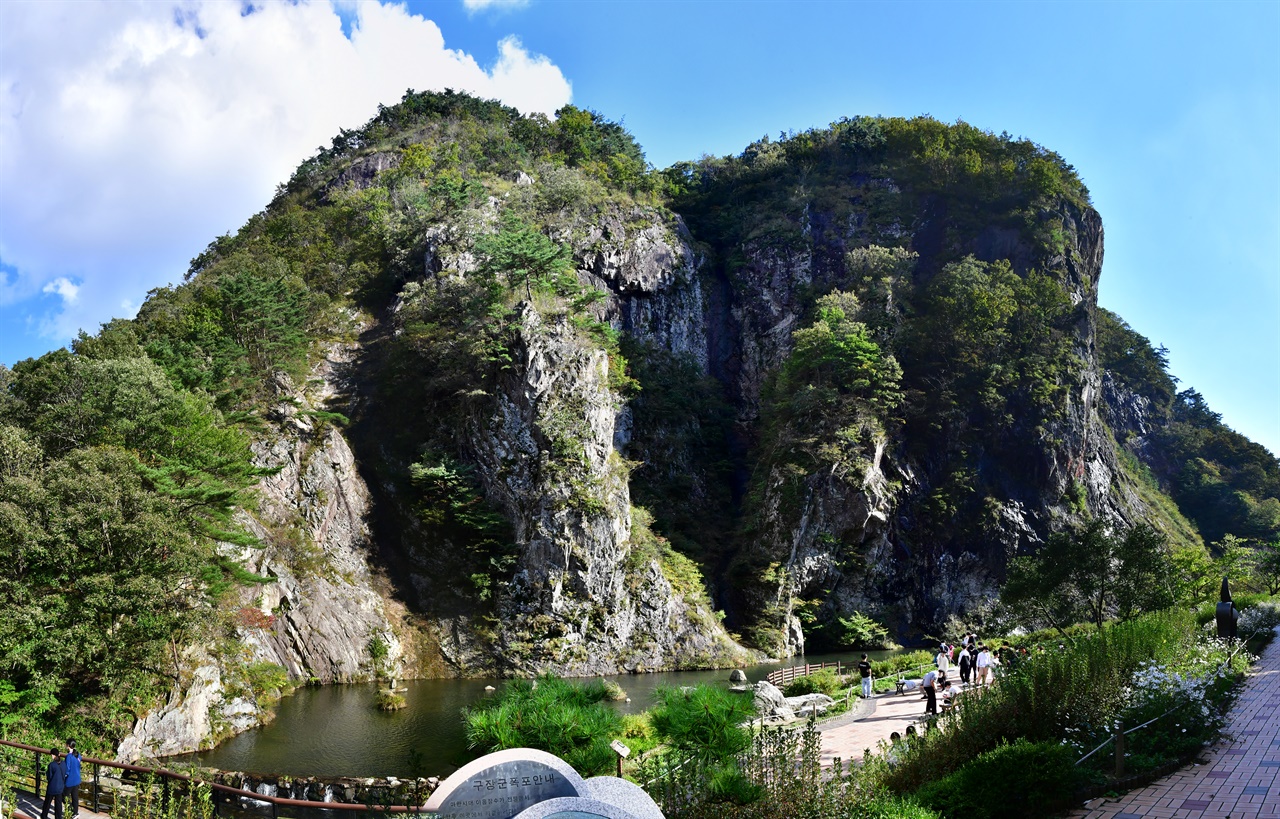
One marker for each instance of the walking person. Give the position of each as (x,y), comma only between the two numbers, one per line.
(864,668)
(966,666)
(55,783)
(984,666)
(943,660)
(72,791)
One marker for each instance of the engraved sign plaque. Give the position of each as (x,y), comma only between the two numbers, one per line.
(504,784)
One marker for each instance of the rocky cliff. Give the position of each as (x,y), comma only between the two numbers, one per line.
(564,413)
(319,601)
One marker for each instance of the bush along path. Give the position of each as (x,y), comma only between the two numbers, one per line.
(1241,779)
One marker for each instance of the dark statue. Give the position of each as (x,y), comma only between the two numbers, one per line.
(1227,613)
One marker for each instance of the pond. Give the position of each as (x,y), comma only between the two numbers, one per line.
(336,730)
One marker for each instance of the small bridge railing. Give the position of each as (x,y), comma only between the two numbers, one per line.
(782,676)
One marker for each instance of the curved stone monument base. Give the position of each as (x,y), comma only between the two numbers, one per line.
(524,783)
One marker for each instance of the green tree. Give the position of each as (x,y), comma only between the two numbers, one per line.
(836,352)
(1267,566)
(102,574)
(704,721)
(1088,574)
(1235,559)
(1143,572)
(522,255)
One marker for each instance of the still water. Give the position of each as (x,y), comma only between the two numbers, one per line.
(336,730)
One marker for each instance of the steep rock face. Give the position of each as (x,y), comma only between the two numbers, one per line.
(587,594)
(327,601)
(584,599)
(651,275)
(323,604)
(850,542)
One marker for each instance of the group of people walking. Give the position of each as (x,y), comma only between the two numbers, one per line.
(62,780)
(975,661)
(976,666)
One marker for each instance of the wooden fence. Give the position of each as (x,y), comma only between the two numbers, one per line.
(785,675)
(104,781)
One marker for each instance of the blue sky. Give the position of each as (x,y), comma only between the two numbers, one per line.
(1169,111)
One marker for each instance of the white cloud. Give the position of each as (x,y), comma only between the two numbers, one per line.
(472,6)
(133,132)
(63,287)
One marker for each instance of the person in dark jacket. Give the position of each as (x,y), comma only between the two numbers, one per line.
(55,782)
(966,666)
(72,791)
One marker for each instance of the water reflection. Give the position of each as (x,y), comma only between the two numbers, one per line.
(336,730)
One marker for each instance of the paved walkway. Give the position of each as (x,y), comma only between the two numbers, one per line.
(28,806)
(845,740)
(1242,777)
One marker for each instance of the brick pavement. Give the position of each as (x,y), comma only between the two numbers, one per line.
(1241,780)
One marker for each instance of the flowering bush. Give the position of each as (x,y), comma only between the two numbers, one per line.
(1178,700)
(1156,667)
(1259,617)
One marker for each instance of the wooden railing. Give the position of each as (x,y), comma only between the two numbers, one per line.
(785,675)
(101,796)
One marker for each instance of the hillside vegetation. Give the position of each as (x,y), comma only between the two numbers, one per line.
(602,412)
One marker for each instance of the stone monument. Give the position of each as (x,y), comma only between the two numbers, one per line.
(523,783)
(501,785)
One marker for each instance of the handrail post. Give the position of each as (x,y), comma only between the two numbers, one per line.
(97,787)
(164,798)
(37,774)
(1119,734)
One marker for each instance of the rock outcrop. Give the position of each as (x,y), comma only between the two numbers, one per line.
(320,602)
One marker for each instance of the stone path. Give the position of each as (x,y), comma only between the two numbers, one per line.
(1242,777)
(846,740)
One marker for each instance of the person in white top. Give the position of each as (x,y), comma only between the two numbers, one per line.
(984,665)
(947,695)
(943,659)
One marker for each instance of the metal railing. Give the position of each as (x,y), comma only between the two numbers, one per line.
(171,780)
(1118,735)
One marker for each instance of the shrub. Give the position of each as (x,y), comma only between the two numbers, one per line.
(901,662)
(1025,779)
(388,699)
(1260,617)
(1075,693)
(638,733)
(704,721)
(1206,612)
(825,681)
(783,776)
(569,720)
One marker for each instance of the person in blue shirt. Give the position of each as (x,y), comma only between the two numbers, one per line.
(55,782)
(73,778)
